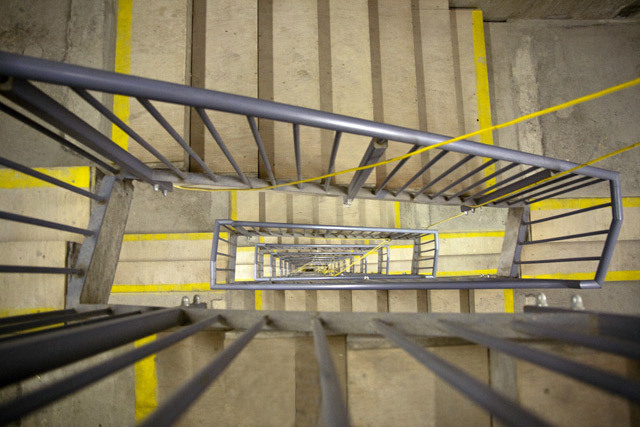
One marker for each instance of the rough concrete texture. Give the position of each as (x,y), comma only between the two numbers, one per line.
(538,64)
(503,10)
(71,31)
(180,211)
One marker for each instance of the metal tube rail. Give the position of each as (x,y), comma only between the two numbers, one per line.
(46,132)
(334,411)
(51,180)
(15,409)
(23,357)
(127,129)
(51,320)
(613,383)
(216,136)
(395,170)
(502,408)
(578,211)
(39,270)
(395,282)
(104,81)
(43,223)
(175,135)
(263,152)
(422,170)
(485,179)
(597,342)
(46,108)
(440,177)
(332,160)
(171,410)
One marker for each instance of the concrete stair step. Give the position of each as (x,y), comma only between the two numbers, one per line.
(23,292)
(159,50)
(23,195)
(225,58)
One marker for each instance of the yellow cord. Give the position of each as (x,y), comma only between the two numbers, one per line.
(358,258)
(599,159)
(520,119)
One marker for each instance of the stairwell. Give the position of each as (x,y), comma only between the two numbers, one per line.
(417,64)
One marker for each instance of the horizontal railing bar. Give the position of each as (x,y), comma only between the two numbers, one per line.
(591,375)
(413,284)
(395,170)
(25,357)
(568,237)
(70,325)
(43,130)
(551,218)
(485,179)
(544,261)
(537,187)
(216,136)
(46,108)
(263,152)
(443,175)
(502,408)
(43,223)
(175,135)
(171,410)
(619,326)
(516,186)
(296,152)
(39,270)
(122,125)
(51,180)
(422,170)
(597,342)
(566,190)
(34,316)
(466,176)
(51,320)
(334,411)
(13,410)
(501,183)
(93,79)
(332,159)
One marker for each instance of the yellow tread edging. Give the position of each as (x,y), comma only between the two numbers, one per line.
(122,65)
(581,203)
(80,176)
(482,85)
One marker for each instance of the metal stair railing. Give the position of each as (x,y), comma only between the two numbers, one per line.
(73,335)
(289,256)
(515,171)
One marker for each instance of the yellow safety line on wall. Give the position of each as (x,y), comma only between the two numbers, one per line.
(146,382)
(482,85)
(520,119)
(80,176)
(122,65)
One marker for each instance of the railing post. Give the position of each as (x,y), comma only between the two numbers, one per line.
(99,253)
(515,231)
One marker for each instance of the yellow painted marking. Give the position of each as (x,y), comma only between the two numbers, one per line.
(396,210)
(258,294)
(167,236)
(162,287)
(612,276)
(146,382)
(8,312)
(557,204)
(80,176)
(123,65)
(233,205)
(508,301)
(465,273)
(482,85)
(464,235)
